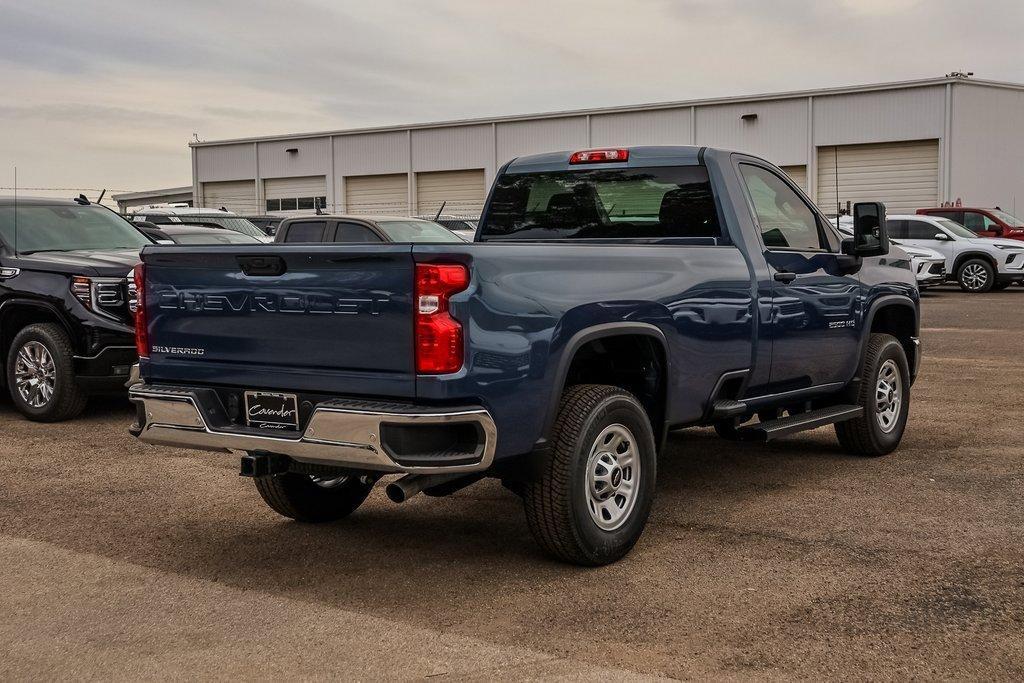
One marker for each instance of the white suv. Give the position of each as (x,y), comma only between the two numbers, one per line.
(928,265)
(977,264)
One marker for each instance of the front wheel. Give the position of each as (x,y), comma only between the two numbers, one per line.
(589,502)
(41,374)
(976,276)
(884,393)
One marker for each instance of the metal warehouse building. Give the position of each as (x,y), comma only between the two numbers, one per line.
(910,144)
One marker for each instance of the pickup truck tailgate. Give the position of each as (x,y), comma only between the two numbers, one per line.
(326,318)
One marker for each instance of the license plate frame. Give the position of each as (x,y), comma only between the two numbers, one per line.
(276,410)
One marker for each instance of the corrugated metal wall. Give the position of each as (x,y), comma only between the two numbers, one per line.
(779,133)
(312,157)
(226,162)
(519,138)
(987,155)
(451,149)
(371,153)
(659,127)
(887,116)
(981,163)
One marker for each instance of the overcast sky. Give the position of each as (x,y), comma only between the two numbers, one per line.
(107,94)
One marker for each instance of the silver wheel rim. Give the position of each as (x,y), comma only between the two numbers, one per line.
(613,477)
(974,276)
(324,482)
(888,396)
(35,374)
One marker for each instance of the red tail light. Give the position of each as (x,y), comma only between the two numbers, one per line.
(438,335)
(599,156)
(141,331)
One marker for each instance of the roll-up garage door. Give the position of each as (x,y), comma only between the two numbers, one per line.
(377,194)
(461,192)
(234,195)
(296,194)
(904,175)
(798,174)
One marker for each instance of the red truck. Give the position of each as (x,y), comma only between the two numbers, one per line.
(986,222)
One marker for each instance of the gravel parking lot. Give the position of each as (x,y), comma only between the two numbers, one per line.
(794,560)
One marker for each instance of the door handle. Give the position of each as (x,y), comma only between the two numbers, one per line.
(784,276)
(255,266)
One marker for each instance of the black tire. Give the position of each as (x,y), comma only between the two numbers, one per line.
(1000,286)
(976,276)
(307,499)
(67,399)
(866,435)
(557,498)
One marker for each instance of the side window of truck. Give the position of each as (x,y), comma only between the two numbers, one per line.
(978,222)
(353,232)
(955,216)
(785,221)
(305,231)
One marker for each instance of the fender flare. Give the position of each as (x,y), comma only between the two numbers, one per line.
(587,335)
(8,304)
(992,261)
(878,304)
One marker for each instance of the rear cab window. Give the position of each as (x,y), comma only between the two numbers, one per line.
(417,231)
(354,232)
(602,204)
(305,231)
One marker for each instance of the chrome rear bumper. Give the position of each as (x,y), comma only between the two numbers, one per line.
(339,433)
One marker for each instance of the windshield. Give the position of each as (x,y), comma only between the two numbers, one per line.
(596,203)
(67,228)
(1009,219)
(417,231)
(956,228)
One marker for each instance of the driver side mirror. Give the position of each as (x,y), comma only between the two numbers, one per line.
(870,237)
(941,236)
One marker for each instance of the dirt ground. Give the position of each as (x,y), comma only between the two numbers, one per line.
(120,560)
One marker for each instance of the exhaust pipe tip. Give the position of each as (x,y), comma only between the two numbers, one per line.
(395,492)
(408,486)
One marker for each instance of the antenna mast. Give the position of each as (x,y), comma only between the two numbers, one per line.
(15,210)
(838,205)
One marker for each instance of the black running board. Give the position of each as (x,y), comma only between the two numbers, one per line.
(724,408)
(791,424)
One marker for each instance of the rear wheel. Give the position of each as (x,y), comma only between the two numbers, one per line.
(884,393)
(976,276)
(307,498)
(41,374)
(590,500)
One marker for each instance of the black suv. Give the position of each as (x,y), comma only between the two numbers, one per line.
(66,330)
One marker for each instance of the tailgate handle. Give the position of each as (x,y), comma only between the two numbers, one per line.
(262,265)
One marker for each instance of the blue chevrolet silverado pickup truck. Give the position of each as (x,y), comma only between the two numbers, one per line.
(609,297)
